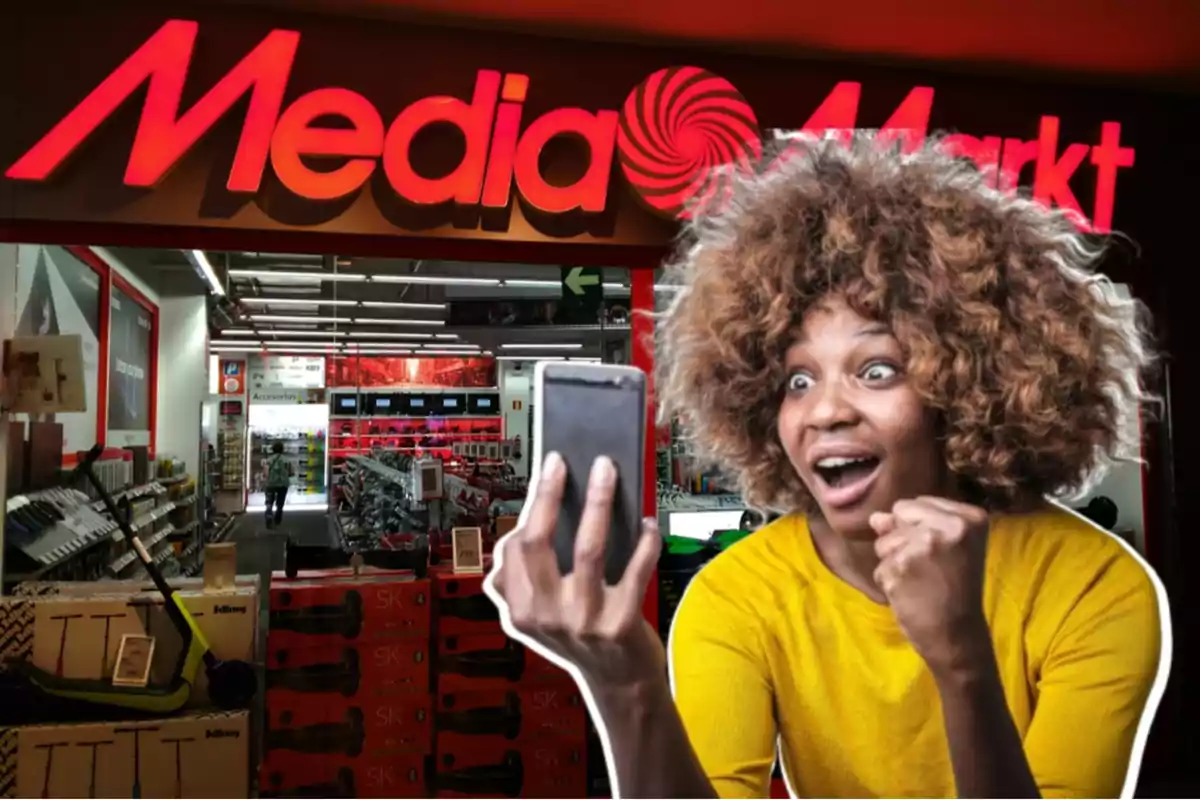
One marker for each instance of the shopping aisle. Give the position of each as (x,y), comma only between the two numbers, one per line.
(302,527)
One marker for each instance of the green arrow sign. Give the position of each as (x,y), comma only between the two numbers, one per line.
(576,280)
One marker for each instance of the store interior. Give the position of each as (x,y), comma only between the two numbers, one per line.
(400,392)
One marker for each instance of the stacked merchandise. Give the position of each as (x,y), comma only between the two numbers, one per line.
(232,447)
(348,704)
(66,535)
(55,746)
(509,723)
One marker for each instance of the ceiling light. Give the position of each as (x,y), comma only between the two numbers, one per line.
(236,343)
(435,280)
(285,318)
(206,269)
(615,287)
(542,346)
(381,352)
(666,287)
(548,358)
(299,343)
(315,275)
(391,335)
(445,336)
(230,348)
(398,304)
(372,321)
(293,301)
(448,352)
(465,348)
(314,334)
(531,283)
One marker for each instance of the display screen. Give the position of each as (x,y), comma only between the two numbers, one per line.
(383,402)
(450,402)
(484,404)
(417,402)
(346,402)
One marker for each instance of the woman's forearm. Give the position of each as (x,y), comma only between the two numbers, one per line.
(986,752)
(649,746)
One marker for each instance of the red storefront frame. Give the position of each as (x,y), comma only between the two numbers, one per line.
(108,279)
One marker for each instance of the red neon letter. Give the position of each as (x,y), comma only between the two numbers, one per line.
(589,193)
(361,143)
(1108,157)
(1052,176)
(465,183)
(163,137)
(910,121)
(838,114)
(984,152)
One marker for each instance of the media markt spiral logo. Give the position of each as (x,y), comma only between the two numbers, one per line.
(677,128)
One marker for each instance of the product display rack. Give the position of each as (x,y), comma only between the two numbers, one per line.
(380,425)
(305,451)
(231,447)
(64,535)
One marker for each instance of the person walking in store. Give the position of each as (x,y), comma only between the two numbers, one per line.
(279,478)
(906,363)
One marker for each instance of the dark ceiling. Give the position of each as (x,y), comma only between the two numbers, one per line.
(1154,42)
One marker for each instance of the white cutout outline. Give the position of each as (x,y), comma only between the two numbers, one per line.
(1141,736)
(536,459)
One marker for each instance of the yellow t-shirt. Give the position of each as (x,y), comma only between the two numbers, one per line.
(769,648)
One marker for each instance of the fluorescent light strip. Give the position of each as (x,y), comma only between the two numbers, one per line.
(541,346)
(548,358)
(530,283)
(287,318)
(286,333)
(315,275)
(449,352)
(293,301)
(382,321)
(435,280)
(209,274)
(398,304)
(391,335)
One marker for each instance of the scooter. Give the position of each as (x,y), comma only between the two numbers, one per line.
(231,684)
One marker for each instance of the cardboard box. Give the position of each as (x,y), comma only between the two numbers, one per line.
(293,775)
(349,670)
(490,766)
(348,609)
(461,607)
(526,714)
(482,661)
(78,636)
(173,757)
(377,728)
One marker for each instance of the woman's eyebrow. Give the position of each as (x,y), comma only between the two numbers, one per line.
(878,329)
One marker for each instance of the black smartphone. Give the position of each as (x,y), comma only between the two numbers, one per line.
(584,410)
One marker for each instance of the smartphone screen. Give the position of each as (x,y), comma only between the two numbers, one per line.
(586,411)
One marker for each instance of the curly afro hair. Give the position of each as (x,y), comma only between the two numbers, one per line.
(1031,360)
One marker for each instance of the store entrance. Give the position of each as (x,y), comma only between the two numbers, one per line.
(358,375)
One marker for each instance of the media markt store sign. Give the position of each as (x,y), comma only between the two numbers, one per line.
(231,123)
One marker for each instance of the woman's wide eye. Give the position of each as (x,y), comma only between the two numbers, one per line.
(879,371)
(798,382)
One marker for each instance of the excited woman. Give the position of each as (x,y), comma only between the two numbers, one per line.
(906,363)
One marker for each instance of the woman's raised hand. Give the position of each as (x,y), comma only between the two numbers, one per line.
(596,628)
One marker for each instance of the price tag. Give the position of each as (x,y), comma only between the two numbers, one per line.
(468,551)
(134,659)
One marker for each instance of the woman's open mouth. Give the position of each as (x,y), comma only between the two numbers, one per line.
(845,481)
